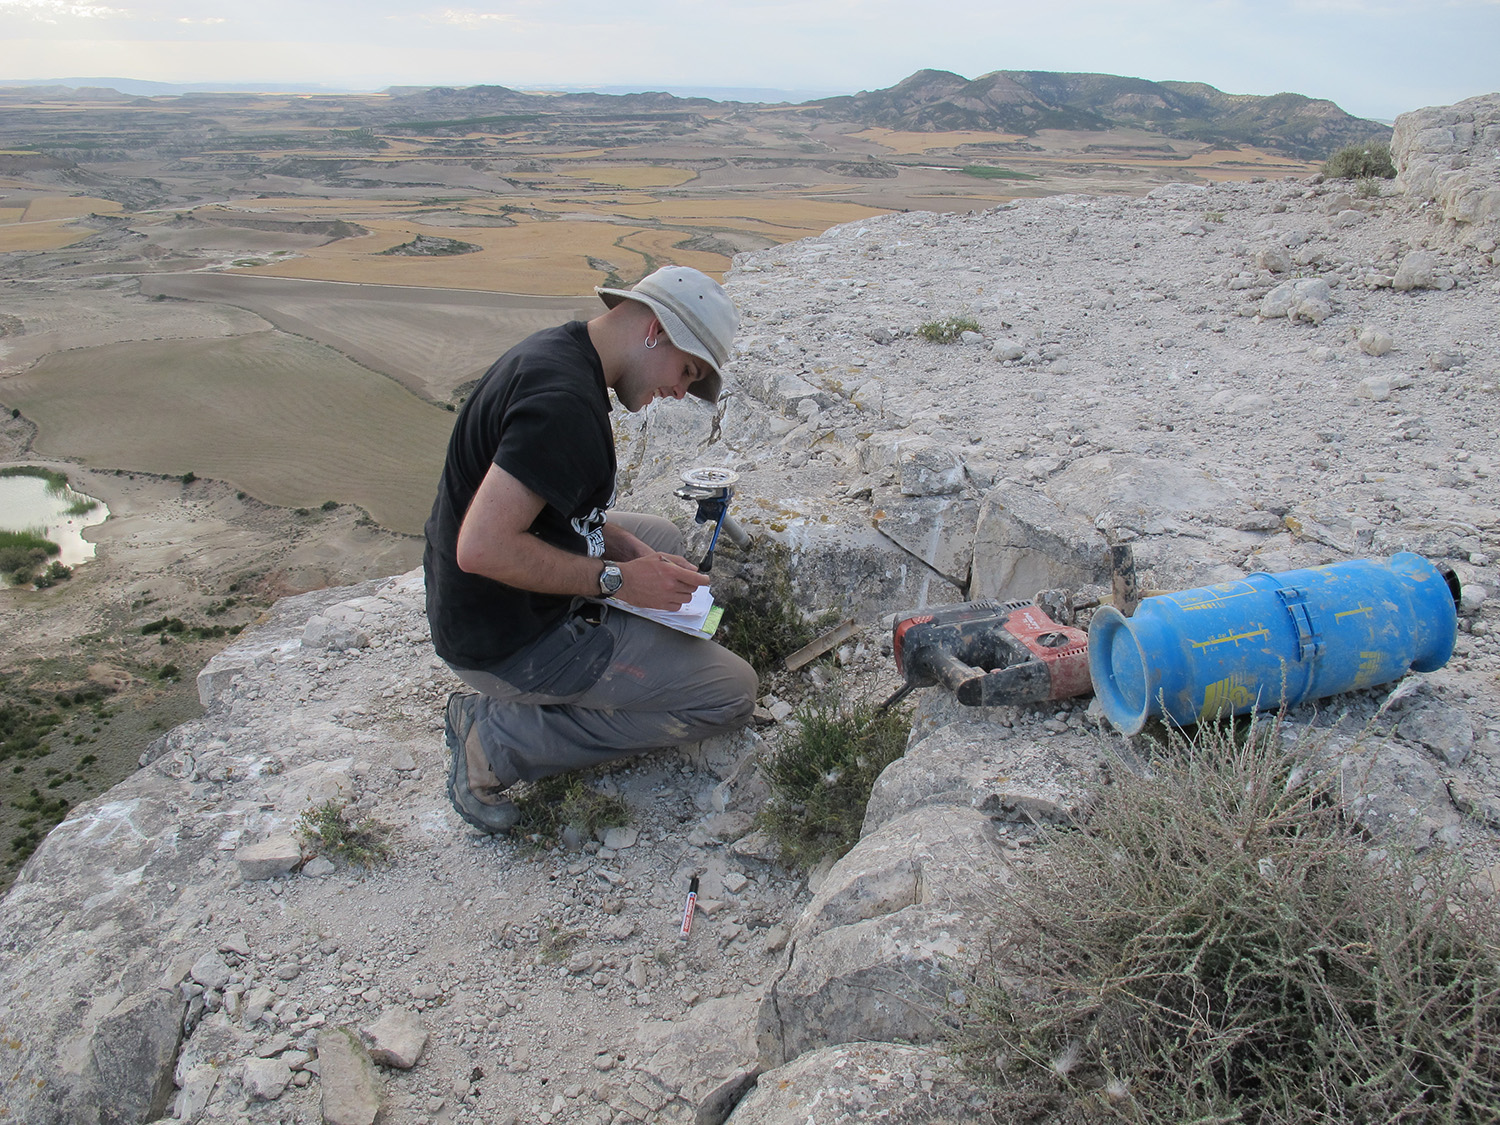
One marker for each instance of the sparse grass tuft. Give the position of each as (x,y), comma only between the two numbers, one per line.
(1368,187)
(1218,944)
(822,776)
(762,622)
(1371,159)
(362,842)
(567,800)
(56,481)
(947,330)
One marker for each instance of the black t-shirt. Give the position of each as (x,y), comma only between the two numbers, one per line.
(541,413)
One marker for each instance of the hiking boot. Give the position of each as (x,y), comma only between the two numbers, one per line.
(475,791)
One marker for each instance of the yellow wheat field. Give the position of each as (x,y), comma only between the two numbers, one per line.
(41,236)
(544,258)
(45,207)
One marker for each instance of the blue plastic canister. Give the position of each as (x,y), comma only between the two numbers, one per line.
(1270,639)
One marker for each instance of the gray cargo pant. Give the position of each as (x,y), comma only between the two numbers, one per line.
(588,693)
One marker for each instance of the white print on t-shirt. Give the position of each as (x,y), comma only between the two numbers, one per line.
(591,528)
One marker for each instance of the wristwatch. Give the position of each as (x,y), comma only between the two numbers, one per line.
(610,580)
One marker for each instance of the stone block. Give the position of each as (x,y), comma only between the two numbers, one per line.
(704,1063)
(264,1080)
(1023,542)
(883,973)
(132,1056)
(396,1038)
(939,530)
(273,856)
(351,1093)
(933,855)
(893,1083)
(1446,731)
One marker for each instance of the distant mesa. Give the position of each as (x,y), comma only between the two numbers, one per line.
(1026,101)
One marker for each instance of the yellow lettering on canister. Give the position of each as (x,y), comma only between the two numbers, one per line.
(1370,665)
(1224,697)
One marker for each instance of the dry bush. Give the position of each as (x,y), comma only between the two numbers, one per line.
(822,776)
(1218,944)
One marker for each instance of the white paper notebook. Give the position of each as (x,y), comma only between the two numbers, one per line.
(699,617)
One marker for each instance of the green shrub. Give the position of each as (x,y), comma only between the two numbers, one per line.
(1373,158)
(822,775)
(22,553)
(762,624)
(1219,944)
(362,842)
(567,800)
(947,330)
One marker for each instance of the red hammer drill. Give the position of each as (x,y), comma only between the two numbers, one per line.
(991,653)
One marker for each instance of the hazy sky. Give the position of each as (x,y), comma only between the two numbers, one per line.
(1375,58)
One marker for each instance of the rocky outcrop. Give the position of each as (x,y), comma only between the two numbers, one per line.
(184,944)
(1450,155)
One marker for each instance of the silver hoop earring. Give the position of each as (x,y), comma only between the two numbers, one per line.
(651,343)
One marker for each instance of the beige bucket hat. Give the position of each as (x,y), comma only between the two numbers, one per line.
(697,314)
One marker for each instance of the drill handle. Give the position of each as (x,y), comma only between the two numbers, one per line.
(950,671)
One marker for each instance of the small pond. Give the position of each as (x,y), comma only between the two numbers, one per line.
(58,514)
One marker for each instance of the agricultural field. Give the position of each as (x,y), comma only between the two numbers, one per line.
(246,410)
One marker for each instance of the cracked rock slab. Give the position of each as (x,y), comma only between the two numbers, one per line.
(958,764)
(893,1083)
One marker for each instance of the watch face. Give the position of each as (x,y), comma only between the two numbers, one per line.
(610,580)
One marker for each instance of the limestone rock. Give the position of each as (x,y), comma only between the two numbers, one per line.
(958,765)
(1446,731)
(1396,792)
(210,971)
(1023,542)
(1448,154)
(883,977)
(198,1086)
(705,1062)
(396,1038)
(350,1085)
(1378,388)
(273,856)
(939,530)
(892,1083)
(1374,341)
(133,1052)
(265,1079)
(908,860)
(321,632)
(926,468)
(620,837)
(1418,270)
(1273,258)
(1306,298)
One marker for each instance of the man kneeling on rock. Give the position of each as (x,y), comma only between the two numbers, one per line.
(520,551)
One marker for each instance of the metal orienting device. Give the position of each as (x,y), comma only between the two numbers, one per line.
(711,489)
(1272,640)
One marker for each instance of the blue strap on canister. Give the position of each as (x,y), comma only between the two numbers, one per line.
(1269,640)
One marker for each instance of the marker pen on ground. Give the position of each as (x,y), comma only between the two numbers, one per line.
(687,910)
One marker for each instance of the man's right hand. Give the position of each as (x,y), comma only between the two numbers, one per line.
(659,581)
